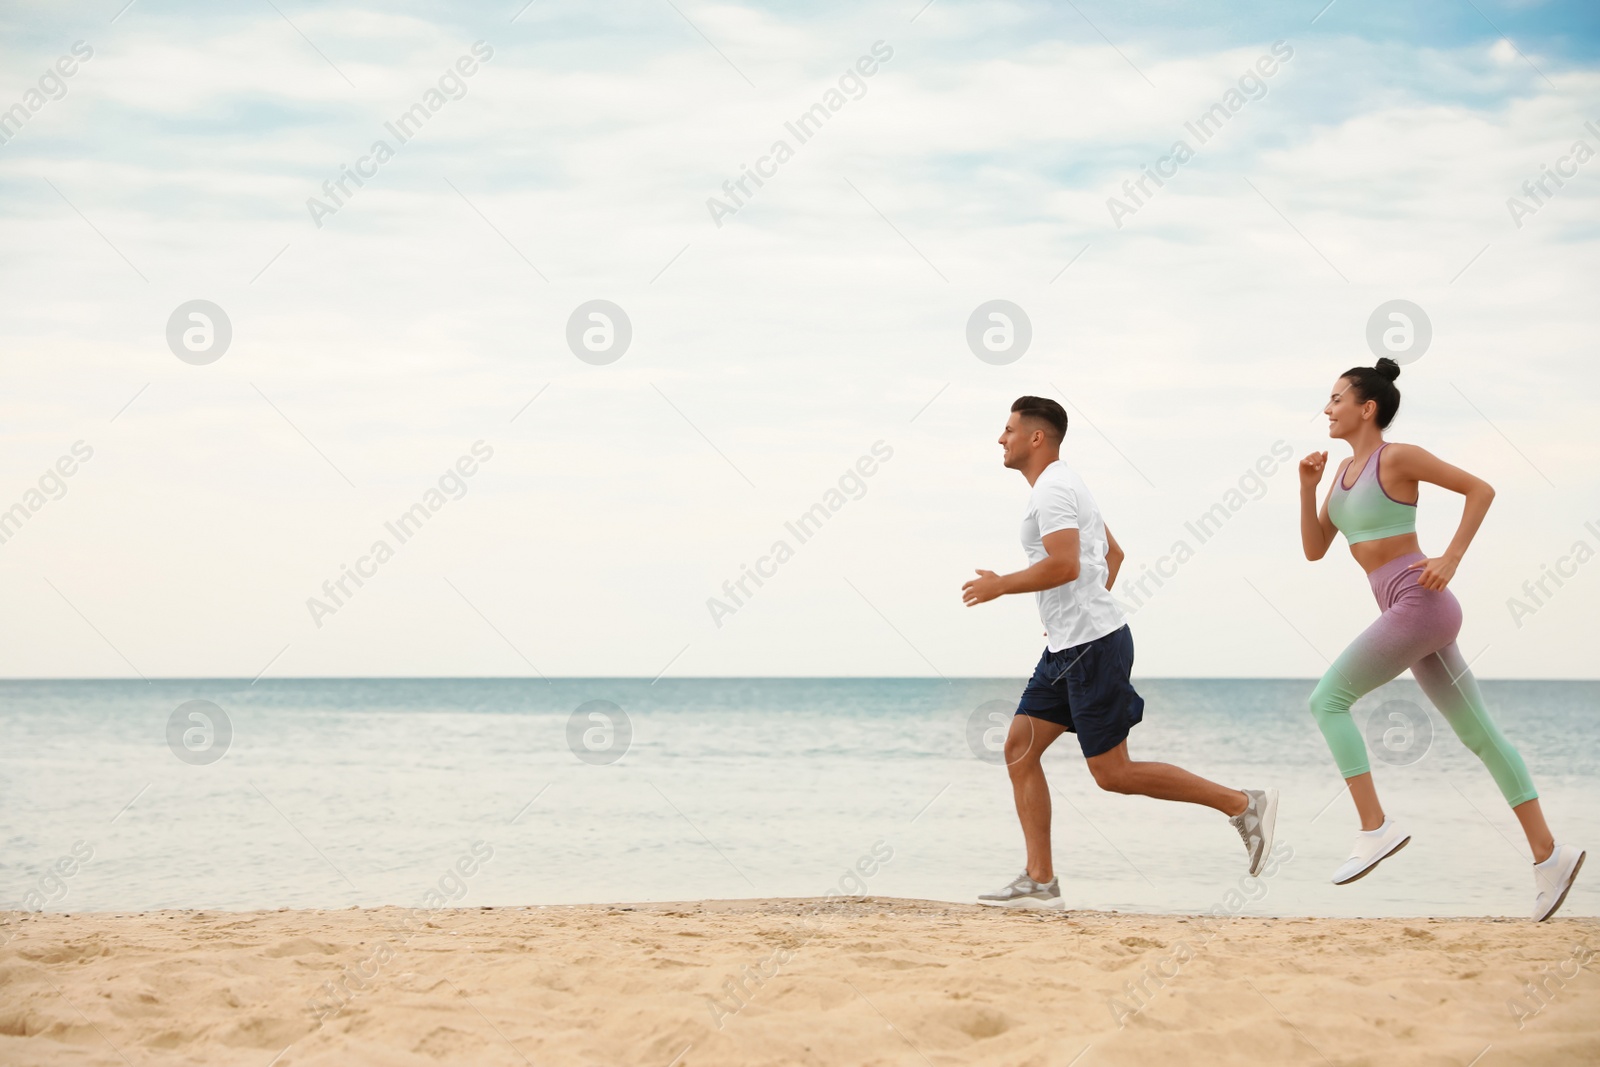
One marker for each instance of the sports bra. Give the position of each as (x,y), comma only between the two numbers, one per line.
(1366,511)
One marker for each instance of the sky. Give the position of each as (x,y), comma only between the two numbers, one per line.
(386,338)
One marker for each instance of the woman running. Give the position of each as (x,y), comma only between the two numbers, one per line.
(1419,623)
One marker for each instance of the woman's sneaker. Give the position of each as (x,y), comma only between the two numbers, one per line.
(1255,824)
(1371,847)
(1024,892)
(1553,878)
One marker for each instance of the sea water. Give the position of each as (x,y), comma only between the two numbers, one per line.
(115,796)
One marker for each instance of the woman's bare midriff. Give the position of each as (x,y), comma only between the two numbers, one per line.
(1374,554)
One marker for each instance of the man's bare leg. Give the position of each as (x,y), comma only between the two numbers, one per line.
(1115,772)
(1025,743)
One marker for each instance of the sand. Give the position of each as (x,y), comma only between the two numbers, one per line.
(864,981)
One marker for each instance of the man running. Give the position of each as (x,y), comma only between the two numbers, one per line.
(1081,683)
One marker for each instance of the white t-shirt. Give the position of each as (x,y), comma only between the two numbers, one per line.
(1083,609)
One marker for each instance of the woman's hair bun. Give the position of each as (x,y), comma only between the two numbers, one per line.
(1369,384)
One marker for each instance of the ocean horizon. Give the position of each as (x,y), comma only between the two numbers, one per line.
(218,793)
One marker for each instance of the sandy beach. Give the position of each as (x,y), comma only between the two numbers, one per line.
(854,981)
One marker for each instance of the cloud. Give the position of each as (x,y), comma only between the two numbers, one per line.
(823,317)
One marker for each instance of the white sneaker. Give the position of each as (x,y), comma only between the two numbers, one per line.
(1371,847)
(1255,824)
(1553,878)
(1024,892)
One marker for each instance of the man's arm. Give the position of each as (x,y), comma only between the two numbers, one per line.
(1059,567)
(1113,559)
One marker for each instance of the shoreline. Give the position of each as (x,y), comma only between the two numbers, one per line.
(790,980)
(20,915)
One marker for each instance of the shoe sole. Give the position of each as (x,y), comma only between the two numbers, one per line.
(1562,899)
(1374,864)
(1269,824)
(1025,904)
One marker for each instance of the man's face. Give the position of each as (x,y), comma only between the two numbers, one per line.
(1019,440)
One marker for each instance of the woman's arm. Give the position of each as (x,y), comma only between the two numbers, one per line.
(1316,529)
(1409,463)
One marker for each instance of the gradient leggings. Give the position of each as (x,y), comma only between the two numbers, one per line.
(1417,629)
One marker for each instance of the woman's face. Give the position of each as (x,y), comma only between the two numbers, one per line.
(1346,411)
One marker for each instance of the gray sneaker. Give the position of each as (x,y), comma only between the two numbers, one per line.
(1024,892)
(1255,825)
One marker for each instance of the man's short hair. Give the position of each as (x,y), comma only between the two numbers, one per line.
(1045,410)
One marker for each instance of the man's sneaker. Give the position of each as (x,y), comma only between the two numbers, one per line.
(1553,878)
(1024,892)
(1255,824)
(1371,847)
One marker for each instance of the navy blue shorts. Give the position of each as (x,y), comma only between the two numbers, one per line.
(1086,689)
